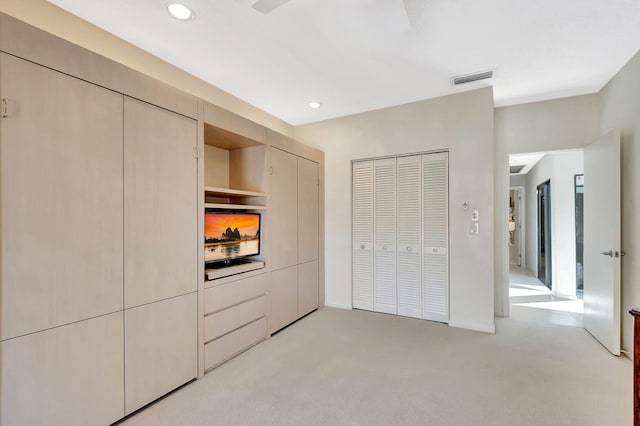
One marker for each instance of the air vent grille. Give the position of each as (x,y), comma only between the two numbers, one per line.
(469,78)
(515,169)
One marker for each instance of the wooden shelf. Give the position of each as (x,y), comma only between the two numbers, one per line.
(213,191)
(233,206)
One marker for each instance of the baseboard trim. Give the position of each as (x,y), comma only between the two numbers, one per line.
(566,296)
(337,305)
(473,326)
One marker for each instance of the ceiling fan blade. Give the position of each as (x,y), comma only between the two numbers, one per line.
(266,6)
(414,9)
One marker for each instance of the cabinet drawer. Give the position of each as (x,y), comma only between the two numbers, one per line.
(233,293)
(222,322)
(233,343)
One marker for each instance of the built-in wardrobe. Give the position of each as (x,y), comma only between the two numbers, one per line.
(105,175)
(400,235)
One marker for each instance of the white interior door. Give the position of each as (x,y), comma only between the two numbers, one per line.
(385,287)
(409,237)
(602,251)
(435,237)
(363,235)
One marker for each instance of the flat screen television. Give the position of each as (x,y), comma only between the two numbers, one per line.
(230,236)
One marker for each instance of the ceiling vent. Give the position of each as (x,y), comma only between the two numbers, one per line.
(469,78)
(515,169)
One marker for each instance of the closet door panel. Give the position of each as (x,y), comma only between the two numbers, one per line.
(363,235)
(69,375)
(283,298)
(308,204)
(385,292)
(160,207)
(160,349)
(409,237)
(61,199)
(283,209)
(435,215)
(307,287)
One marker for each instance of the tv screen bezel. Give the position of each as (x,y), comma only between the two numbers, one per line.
(210,210)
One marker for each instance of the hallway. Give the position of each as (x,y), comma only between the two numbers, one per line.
(531,301)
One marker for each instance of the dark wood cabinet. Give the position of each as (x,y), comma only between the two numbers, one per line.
(636,366)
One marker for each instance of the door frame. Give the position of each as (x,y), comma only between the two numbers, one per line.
(546,223)
(521,222)
(575,208)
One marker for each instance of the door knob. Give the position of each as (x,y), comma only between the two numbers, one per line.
(607,253)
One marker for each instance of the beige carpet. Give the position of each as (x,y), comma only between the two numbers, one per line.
(338,367)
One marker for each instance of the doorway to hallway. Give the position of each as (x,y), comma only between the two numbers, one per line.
(531,301)
(545,273)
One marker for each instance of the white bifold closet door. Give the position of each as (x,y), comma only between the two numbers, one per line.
(409,237)
(435,207)
(384,236)
(400,236)
(363,235)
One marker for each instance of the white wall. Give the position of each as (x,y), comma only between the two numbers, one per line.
(517,180)
(463,123)
(560,168)
(621,110)
(565,123)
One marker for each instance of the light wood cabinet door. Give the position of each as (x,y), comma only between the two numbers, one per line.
(160,349)
(160,204)
(283,298)
(308,215)
(283,209)
(61,199)
(307,287)
(69,375)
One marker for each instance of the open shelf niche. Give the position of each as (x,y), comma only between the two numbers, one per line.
(235,170)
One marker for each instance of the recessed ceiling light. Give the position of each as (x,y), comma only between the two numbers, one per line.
(180,11)
(315,104)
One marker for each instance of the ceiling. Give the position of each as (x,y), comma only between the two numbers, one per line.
(361,55)
(527,161)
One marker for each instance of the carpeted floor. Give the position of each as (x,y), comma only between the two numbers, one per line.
(339,367)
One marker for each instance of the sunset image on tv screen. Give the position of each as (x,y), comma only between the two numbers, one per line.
(229,235)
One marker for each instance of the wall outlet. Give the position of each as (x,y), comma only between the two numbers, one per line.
(475,216)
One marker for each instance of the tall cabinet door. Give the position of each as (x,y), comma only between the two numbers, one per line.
(385,291)
(160,246)
(308,228)
(61,199)
(283,209)
(362,226)
(409,237)
(435,223)
(160,207)
(308,215)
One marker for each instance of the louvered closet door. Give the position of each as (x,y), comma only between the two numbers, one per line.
(363,235)
(409,237)
(435,278)
(385,292)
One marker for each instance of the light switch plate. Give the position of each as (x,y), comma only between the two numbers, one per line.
(475,228)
